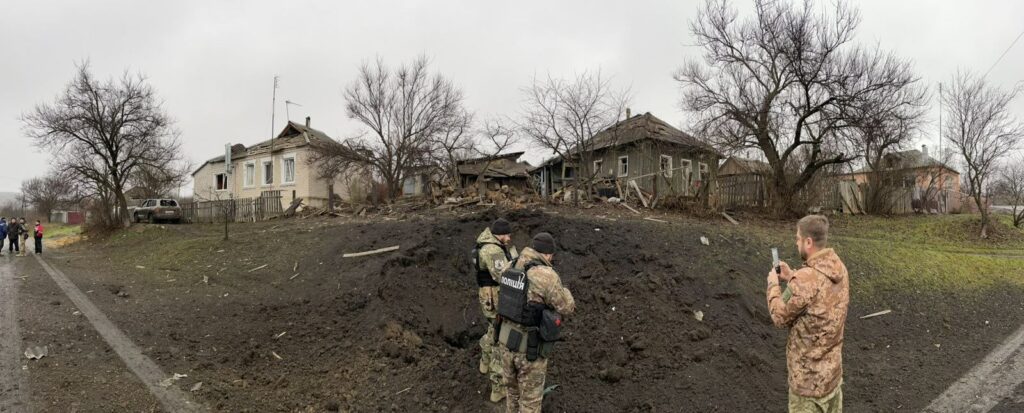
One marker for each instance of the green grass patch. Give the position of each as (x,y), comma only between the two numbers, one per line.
(61,230)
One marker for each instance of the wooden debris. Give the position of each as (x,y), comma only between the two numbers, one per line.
(277,336)
(883,312)
(730,218)
(295,205)
(295,267)
(639,193)
(630,208)
(259,268)
(293,277)
(403,390)
(276,356)
(365,253)
(655,220)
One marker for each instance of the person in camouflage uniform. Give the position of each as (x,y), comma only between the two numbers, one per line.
(524,379)
(814,307)
(495,253)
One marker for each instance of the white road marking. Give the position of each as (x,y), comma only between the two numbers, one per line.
(172,398)
(12,378)
(988,383)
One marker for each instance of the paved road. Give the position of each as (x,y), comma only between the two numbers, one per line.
(80,373)
(992,385)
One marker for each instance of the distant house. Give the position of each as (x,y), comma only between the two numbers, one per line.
(418,180)
(735,165)
(660,158)
(501,170)
(280,164)
(926,183)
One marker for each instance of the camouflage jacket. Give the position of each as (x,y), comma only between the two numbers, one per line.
(816,317)
(545,286)
(492,255)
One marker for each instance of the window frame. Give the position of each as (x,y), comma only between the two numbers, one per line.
(284,159)
(263,172)
(246,181)
(217,179)
(666,172)
(702,167)
(598,165)
(619,165)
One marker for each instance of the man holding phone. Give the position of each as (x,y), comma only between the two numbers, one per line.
(814,309)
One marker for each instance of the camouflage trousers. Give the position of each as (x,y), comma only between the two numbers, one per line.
(524,382)
(832,403)
(490,356)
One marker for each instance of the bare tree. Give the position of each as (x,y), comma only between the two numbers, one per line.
(496,137)
(102,132)
(564,116)
(453,144)
(403,111)
(55,190)
(160,180)
(1011,187)
(782,83)
(980,126)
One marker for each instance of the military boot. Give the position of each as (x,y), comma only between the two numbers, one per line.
(497,394)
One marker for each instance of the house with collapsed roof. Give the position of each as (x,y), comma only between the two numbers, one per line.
(279,166)
(496,171)
(642,149)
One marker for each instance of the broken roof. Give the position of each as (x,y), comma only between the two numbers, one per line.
(498,166)
(752,166)
(293,135)
(910,159)
(648,126)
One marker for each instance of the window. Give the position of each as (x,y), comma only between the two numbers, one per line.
(687,170)
(666,166)
(624,166)
(703,172)
(598,164)
(250,173)
(149,203)
(268,172)
(288,169)
(570,172)
(168,203)
(221,182)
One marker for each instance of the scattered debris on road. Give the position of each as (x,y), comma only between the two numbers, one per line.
(36,353)
(170,380)
(883,312)
(259,268)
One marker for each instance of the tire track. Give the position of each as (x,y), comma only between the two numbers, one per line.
(988,383)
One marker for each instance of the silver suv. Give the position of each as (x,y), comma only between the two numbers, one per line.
(156,210)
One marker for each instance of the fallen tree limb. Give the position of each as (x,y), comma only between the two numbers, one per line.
(365,253)
(730,218)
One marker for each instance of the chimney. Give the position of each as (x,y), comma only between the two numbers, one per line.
(628,113)
(924,149)
(307,121)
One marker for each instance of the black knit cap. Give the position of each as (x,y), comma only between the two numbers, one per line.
(501,227)
(544,243)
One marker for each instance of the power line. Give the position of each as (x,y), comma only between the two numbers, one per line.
(1004,54)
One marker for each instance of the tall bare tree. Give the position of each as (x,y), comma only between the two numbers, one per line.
(495,138)
(980,126)
(564,115)
(781,82)
(160,180)
(103,132)
(453,144)
(1011,187)
(55,190)
(403,111)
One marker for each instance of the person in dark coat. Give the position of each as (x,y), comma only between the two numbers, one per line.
(12,236)
(3,233)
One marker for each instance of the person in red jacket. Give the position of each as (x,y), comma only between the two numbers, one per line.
(38,234)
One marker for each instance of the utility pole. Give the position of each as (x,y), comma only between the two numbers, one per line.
(273,108)
(942,155)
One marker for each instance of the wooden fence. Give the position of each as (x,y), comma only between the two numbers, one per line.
(266,206)
(751,191)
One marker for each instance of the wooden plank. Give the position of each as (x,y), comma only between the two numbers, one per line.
(365,253)
(730,218)
(629,208)
(639,194)
(883,312)
(655,220)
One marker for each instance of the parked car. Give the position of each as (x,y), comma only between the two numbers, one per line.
(156,210)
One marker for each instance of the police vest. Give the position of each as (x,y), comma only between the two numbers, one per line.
(483,277)
(513,298)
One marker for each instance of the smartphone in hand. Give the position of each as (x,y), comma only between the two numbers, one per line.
(775,261)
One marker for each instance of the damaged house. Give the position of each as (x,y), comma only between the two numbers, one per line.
(659,158)
(497,171)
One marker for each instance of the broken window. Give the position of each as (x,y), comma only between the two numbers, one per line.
(268,172)
(288,170)
(703,172)
(598,164)
(666,166)
(624,166)
(221,182)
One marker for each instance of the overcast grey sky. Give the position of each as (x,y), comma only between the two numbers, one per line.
(213,62)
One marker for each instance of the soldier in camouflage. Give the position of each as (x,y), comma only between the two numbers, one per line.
(495,253)
(814,308)
(524,379)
